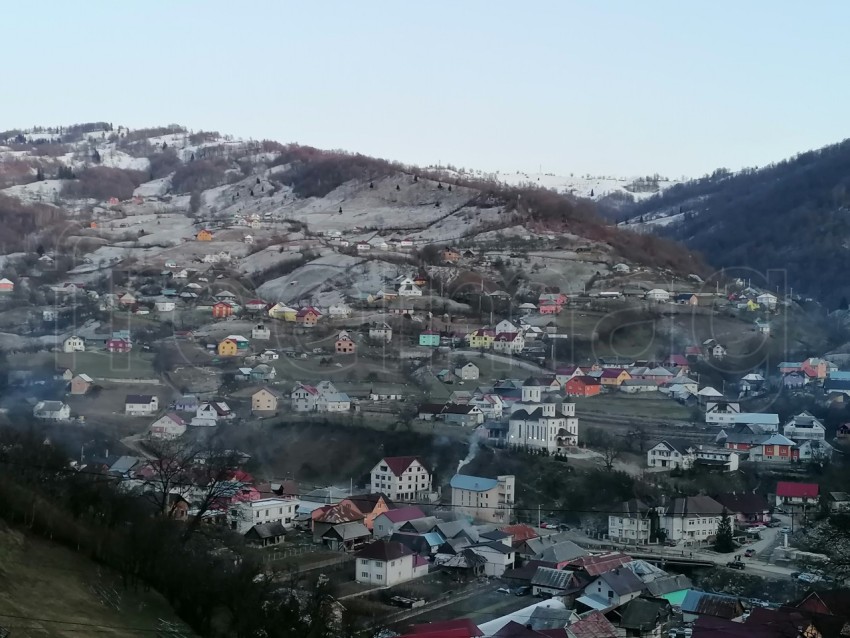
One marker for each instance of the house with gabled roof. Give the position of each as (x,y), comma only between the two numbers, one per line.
(304,398)
(168,427)
(307,317)
(388,563)
(141,404)
(402,478)
(509,342)
(81,384)
(51,411)
(793,494)
(265,401)
(389,522)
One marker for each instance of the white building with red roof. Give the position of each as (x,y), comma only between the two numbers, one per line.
(792,494)
(509,342)
(304,397)
(167,427)
(402,478)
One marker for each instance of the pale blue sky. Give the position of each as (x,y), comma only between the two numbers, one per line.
(603,87)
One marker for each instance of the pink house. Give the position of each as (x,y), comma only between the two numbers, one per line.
(814,368)
(118,345)
(549,309)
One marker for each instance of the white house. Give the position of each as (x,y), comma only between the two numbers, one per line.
(542,424)
(768,300)
(509,342)
(210,413)
(74,344)
(49,314)
(381,332)
(261,332)
(244,515)
(490,405)
(615,588)
(333,402)
(407,288)
(630,522)
(722,412)
(670,455)
(304,398)
(505,326)
(804,427)
(402,478)
(164,306)
(51,411)
(141,404)
(484,499)
(691,518)
(167,427)
(657,295)
(388,563)
(499,556)
(466,371)
(339,311)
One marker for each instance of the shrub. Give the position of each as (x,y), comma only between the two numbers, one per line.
(101,183)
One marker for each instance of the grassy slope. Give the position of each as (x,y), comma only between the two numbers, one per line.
(41,580)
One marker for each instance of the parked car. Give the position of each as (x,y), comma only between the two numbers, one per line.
(757,528)
(810,577)
(504,590)
(750,553)
(736,564)
(525,590)
(785,530)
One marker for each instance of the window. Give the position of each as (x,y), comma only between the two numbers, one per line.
(379,577)
(392,564)
(378,563)
(364,574)
(610,594)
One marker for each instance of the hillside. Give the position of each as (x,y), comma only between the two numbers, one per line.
(84,598)
(792,217)
(301,224)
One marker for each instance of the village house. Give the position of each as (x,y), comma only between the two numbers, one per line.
(582,386)
(613,377)
(210,413)
(232,346)
(74,344)
(631,522)
(796,495)
(81,384)
(722,412)
(482,338)
(498,554)
(164,306)
(260,332)
(670,455)
(330,400)
(509,342)
(283,312)
(304,398)
(767,300)
(407,287)
(450,255)
(484,499)
(118,345)
(381,332)
(244,515)
(691,518)
(204,235)
(344,344)
(613,589)
(140,404)
(6,285)
(265,401)
(466,371)
(463,415)
(339,311)
(168,427)
(387,523)
(307,317)
(429,339)
(402,478)
(222,310)
(127,299)
(657,295)
(51,411)
(746,508)
(803,427)
(388,563)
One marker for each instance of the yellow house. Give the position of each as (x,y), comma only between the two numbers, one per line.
(204,235)
(752,306)
(482,338)
(227,348)
(283,312)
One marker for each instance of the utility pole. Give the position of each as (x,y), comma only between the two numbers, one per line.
(538,516)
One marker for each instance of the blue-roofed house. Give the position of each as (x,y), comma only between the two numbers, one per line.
(839,375)
(768,421)
(425,544)
(484,499)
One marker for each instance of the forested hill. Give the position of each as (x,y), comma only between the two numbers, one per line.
(794,215)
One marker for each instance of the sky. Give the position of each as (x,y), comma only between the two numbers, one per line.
(617,88)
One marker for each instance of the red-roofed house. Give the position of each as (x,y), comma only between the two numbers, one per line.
(388,563)
(388,522)
(256,305)
(118,345)
(461,628)
(307,316)
(566,373)
(613,377)
(600,564)
(592,625)
(305,398)
(582,387)
(792,494)
(402,478)
(511,342)
(222,309)
(519,533)
(679,361)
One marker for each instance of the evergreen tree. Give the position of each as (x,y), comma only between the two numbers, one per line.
(439,186)
(591,192)
(258,180)
(39,174)
(723,541)
(371,185)
(164,146)
(95,157)
(340,210)
(416,178)
(397,187)
(450,188)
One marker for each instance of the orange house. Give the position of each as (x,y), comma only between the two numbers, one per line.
(370,505)
(204,235)
(308,316)
(93,225)
(614,377)
(344,344)
(222,309)
(582,387)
